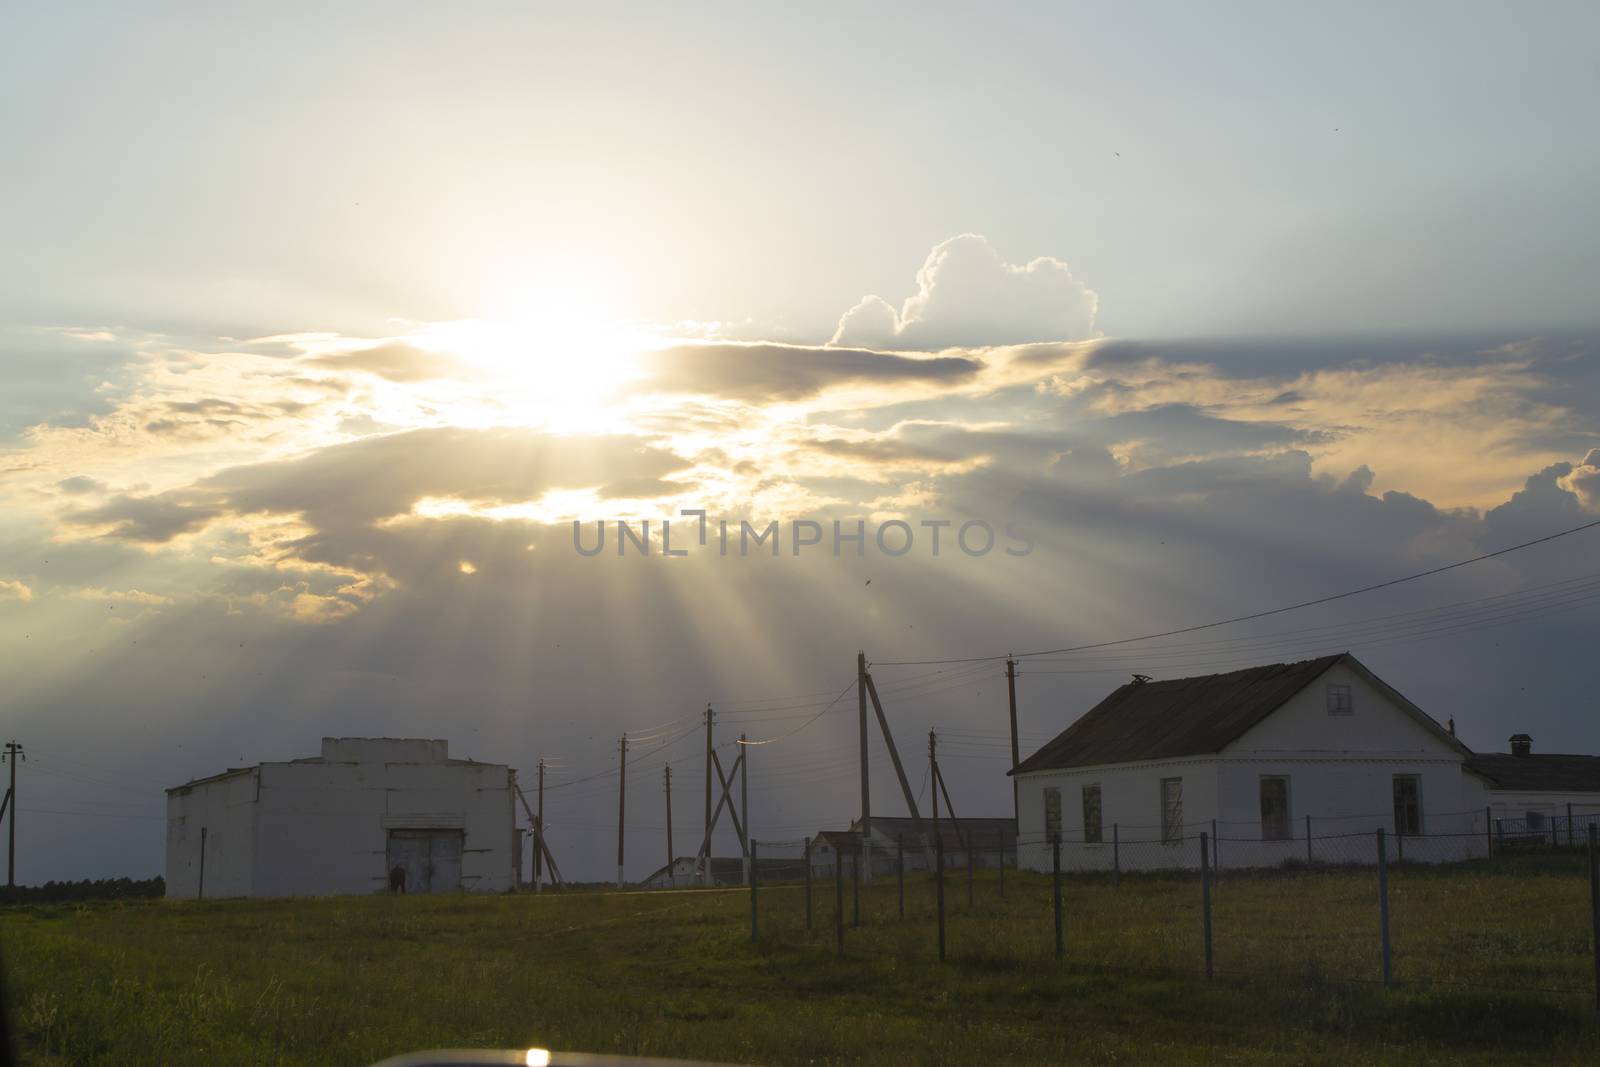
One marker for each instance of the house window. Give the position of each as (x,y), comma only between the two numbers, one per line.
(1339,700)
(1407,805)
(1171,810)
(1052,814)
(1275,809)
(1091,814)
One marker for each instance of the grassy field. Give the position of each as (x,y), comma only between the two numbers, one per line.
(1492,965)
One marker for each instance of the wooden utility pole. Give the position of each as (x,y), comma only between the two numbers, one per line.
(622,803)
(894,758)
(538,835)
(13,754)
(861,707)
(705,855)
(668,770)
(744,809)
(933,778)
(1016,756)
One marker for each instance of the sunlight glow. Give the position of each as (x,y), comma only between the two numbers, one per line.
(538,1057)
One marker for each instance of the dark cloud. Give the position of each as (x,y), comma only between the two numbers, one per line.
(395,360)
(79,484)
(760,372)
(150,519)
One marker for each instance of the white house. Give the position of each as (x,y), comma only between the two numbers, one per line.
(340,822)
(1259,760)
(1531,795)
(990,839)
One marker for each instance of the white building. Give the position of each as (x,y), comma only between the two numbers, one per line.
(342,821)
(1259,760)
(1533,795)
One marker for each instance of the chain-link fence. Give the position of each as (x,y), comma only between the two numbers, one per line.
(1369,906)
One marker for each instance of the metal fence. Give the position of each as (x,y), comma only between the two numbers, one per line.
(1467,907)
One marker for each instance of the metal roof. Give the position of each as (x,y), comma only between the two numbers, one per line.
(1538,773)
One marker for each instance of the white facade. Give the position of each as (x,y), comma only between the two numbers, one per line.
(1338,769)
(340,822)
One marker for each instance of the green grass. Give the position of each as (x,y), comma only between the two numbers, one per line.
(1492,965)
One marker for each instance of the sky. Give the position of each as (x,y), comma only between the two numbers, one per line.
(319,331)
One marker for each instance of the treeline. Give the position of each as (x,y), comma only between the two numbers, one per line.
(96,889)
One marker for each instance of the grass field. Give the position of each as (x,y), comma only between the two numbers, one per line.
(1492,964)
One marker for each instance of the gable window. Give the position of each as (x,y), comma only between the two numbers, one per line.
(1171,810)
(1275,809)
(1052,814)
(1407,804)
(1339,700)
(1091,814)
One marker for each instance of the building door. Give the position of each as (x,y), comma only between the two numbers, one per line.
(430,858)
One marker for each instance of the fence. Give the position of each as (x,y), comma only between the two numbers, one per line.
(1359,906)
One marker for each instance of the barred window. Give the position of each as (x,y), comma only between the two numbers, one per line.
(1052,814)
(1275,809)
(1407,805)
(1091,814)
(1171,810)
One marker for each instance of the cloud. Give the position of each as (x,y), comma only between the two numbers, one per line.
(14,590)
(149,519)
(396,361)
(756,372)
(1583,481)
(79,484)
(968,297)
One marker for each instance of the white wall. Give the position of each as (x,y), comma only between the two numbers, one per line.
(1130,802)
(225,808)
(324,826)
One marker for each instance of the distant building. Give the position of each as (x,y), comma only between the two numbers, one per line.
(989,839)
(1248,755)
(342,821)
(684,872)
(1532,794)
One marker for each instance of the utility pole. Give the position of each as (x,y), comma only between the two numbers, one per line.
(866,798)
(668,770)
(13,753)
(1016,756)
(744,808)
(622,803)
(538,835)
(933,779)
(710,755)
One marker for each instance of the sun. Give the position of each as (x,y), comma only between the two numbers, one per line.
(553,349)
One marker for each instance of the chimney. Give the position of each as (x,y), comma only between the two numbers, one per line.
(1521,745)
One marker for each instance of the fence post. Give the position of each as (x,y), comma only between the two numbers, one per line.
(1488,833)
(755,912)
(838,899)
(900,871)
(1216,849)
(855,886)
(1055,882)
(1500,834)
(1205,899)
(1383,908)
(938,883)
(1594,905)
(1555,842)
(808,883)
(1003,863)
(1309,860)
(1116,857)
(201,894)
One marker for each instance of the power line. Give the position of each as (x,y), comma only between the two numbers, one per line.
(1254,615)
